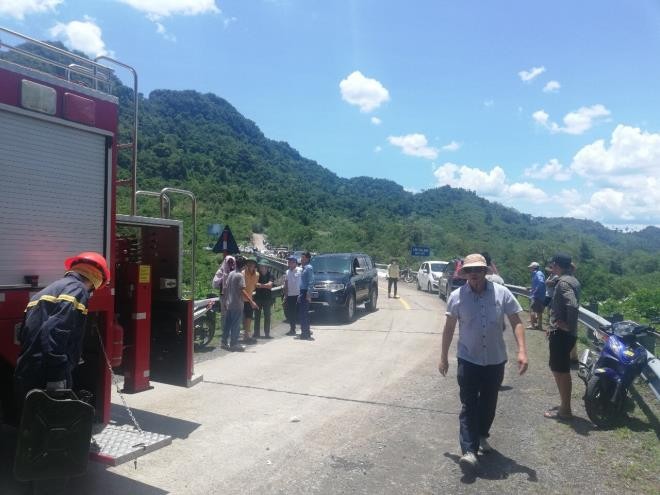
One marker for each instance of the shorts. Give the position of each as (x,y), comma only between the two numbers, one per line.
(248,312)
(560,344)
(547,301)
(537,306)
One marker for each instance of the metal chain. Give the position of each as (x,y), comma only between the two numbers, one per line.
(115,381)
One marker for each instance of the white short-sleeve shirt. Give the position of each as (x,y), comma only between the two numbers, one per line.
(293,281)
(481,322)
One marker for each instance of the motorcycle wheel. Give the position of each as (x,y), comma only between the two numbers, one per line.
(205,330)
(597,402)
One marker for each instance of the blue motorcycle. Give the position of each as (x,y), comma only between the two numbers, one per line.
(609,373)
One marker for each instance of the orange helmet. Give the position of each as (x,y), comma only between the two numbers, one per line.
(91,258)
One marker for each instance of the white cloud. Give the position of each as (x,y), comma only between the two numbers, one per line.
(376,121)
(378,149)
(364,92)
(20,8)
(84,36)
(551,87)
(157,9)
(492,184)
(541,117)
(531,74)
(526,191)
(625,174)
(630,151)
(488,103)
(414,145)
(160,29)
(551,170)
(576,122)
(453,146)
(229,20)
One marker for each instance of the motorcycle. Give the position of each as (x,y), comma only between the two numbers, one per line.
(609,372)
(204,318)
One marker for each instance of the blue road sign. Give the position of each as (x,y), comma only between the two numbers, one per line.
(420,251)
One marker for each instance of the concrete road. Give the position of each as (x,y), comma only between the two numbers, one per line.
(362,409)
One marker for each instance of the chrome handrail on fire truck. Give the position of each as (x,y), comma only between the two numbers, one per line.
(156,195)
(84,67)
(133,143)
(163,196)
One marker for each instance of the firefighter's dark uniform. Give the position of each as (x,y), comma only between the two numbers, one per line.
(51,335)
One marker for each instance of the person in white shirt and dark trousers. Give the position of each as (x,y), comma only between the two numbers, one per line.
(479,307)
(290,293)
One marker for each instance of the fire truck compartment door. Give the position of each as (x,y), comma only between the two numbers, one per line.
(115,444)
(53,195)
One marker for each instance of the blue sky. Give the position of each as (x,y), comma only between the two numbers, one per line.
(552,109)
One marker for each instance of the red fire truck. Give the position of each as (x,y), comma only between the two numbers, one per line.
(59,149)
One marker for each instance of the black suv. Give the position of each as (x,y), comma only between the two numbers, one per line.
(450,280)
(344,280)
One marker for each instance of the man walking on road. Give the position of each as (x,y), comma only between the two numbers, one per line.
(291,292)
(479,307)
(392,277)
(562,334)
(305,297)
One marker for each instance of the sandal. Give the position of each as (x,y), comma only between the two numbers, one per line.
(553,413)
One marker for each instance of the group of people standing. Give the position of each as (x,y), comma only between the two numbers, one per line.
(246,294)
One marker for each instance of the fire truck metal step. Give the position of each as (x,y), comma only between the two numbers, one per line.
(116,444)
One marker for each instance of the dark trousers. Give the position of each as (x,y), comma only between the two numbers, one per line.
(303,314)
(262,306)
(392,282)
(291,311)
(479,386)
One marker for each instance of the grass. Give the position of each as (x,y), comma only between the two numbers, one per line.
(633,448)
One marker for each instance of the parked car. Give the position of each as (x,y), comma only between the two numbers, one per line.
(342,281)
(449,279)
(428,275)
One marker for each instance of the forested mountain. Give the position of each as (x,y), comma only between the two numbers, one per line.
(200,142)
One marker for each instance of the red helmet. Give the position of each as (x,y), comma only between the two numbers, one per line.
(91,258)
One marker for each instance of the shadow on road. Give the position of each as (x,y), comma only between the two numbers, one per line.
(157,423)
(495,466)
(97,480)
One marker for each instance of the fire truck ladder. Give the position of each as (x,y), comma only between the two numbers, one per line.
(132,145)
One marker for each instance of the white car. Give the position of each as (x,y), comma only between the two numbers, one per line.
(381,268)
(428,275)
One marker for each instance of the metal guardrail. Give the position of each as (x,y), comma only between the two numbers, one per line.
(594,322)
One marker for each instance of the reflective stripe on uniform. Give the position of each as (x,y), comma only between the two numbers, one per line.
(62,297)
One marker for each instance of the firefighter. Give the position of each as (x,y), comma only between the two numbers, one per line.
(53,328)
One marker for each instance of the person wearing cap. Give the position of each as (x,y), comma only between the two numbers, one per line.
(562,334)
(53,327)
(392,277)
(251,279)
(479,307)
(537,296)
(264,298)
(291,292)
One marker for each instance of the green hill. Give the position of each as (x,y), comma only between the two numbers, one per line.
(202,143)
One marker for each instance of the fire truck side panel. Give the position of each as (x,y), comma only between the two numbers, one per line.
(57,197)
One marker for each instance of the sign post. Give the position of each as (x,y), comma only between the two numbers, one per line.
(423,251)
